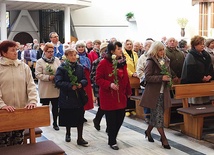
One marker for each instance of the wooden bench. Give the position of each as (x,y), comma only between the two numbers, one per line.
(194,118)
(38,133)
(28,119)
(167,113)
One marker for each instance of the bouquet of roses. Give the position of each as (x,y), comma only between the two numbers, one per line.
(165,71)
(49,69)
(114,72)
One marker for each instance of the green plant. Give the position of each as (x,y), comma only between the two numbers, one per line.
(182,22)
(129,15)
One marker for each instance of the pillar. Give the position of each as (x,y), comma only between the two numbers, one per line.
(67,25)
(3,21)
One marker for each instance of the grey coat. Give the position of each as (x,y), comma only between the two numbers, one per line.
(154,81)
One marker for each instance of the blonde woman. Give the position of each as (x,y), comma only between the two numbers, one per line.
(45,73)
(156,95)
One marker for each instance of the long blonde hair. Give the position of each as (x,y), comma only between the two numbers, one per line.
(155,47)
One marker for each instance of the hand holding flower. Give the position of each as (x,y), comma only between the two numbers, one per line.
(114,86)
(166,78)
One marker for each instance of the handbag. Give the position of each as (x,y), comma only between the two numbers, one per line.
(83,96)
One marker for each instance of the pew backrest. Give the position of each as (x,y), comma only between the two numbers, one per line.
(25,119)
(185,91)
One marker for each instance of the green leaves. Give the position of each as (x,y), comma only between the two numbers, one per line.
(71,75)
(164,71)
(49,69)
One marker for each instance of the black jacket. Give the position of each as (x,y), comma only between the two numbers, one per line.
(69,98)
(196,66)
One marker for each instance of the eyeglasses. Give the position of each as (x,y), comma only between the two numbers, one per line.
(49,52)
(55,37)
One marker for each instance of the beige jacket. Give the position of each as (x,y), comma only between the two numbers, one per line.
(46,88)
(17,87)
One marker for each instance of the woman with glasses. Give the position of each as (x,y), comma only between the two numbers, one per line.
(197,67)
(45,73)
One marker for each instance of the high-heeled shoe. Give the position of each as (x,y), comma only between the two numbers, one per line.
(165,146)
(150,139)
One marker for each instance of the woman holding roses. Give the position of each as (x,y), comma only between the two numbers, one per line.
(156,95)
(45,73)
(112,79)
(70,79)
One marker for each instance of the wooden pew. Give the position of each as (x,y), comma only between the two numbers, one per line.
(135,84)
(194,116)
(28,119)
(167,113)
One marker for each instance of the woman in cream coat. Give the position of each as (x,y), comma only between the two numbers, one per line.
(45,73)
(17,89)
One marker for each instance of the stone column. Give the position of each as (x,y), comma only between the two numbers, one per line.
(67,24)
(3,21)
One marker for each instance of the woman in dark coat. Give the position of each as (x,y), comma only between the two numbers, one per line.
(197,67)
(156,95)
(71,107)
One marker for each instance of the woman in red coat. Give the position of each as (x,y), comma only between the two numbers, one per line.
(112,79)
(85,62)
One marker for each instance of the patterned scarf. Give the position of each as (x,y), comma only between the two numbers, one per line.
(51,60)
(121,62)
(84,60)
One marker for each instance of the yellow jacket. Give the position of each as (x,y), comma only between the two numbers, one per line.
(131,64)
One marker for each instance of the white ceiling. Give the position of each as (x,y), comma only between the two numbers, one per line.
(45,4)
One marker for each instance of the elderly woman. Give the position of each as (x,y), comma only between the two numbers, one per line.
(71,112)
(17,88)
(86,63)
(197,67)
(156,95)
(45,73)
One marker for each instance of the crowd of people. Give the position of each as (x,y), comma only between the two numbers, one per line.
(105,71)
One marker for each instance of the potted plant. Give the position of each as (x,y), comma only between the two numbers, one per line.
(182,22)
(129,15)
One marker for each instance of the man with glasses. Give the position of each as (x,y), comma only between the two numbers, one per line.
(58,47)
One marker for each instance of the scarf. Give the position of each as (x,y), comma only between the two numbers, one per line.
(51,60)
(84,60)
(121,62)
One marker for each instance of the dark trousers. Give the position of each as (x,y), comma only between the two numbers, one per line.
(54,103)
(99,113)
(114,119)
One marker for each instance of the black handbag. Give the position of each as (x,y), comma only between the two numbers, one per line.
(83,96)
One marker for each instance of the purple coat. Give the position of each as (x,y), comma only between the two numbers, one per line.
(154,81)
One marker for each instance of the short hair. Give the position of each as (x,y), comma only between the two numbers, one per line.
(5,45)
(97,42)
(51,34)
(80,43)
(182,43)
(208,42)
(155,47)
(35,46)
(196,40)
(48,45)
(69,50)
(112,47)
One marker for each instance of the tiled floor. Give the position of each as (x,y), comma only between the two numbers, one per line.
(131,140)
